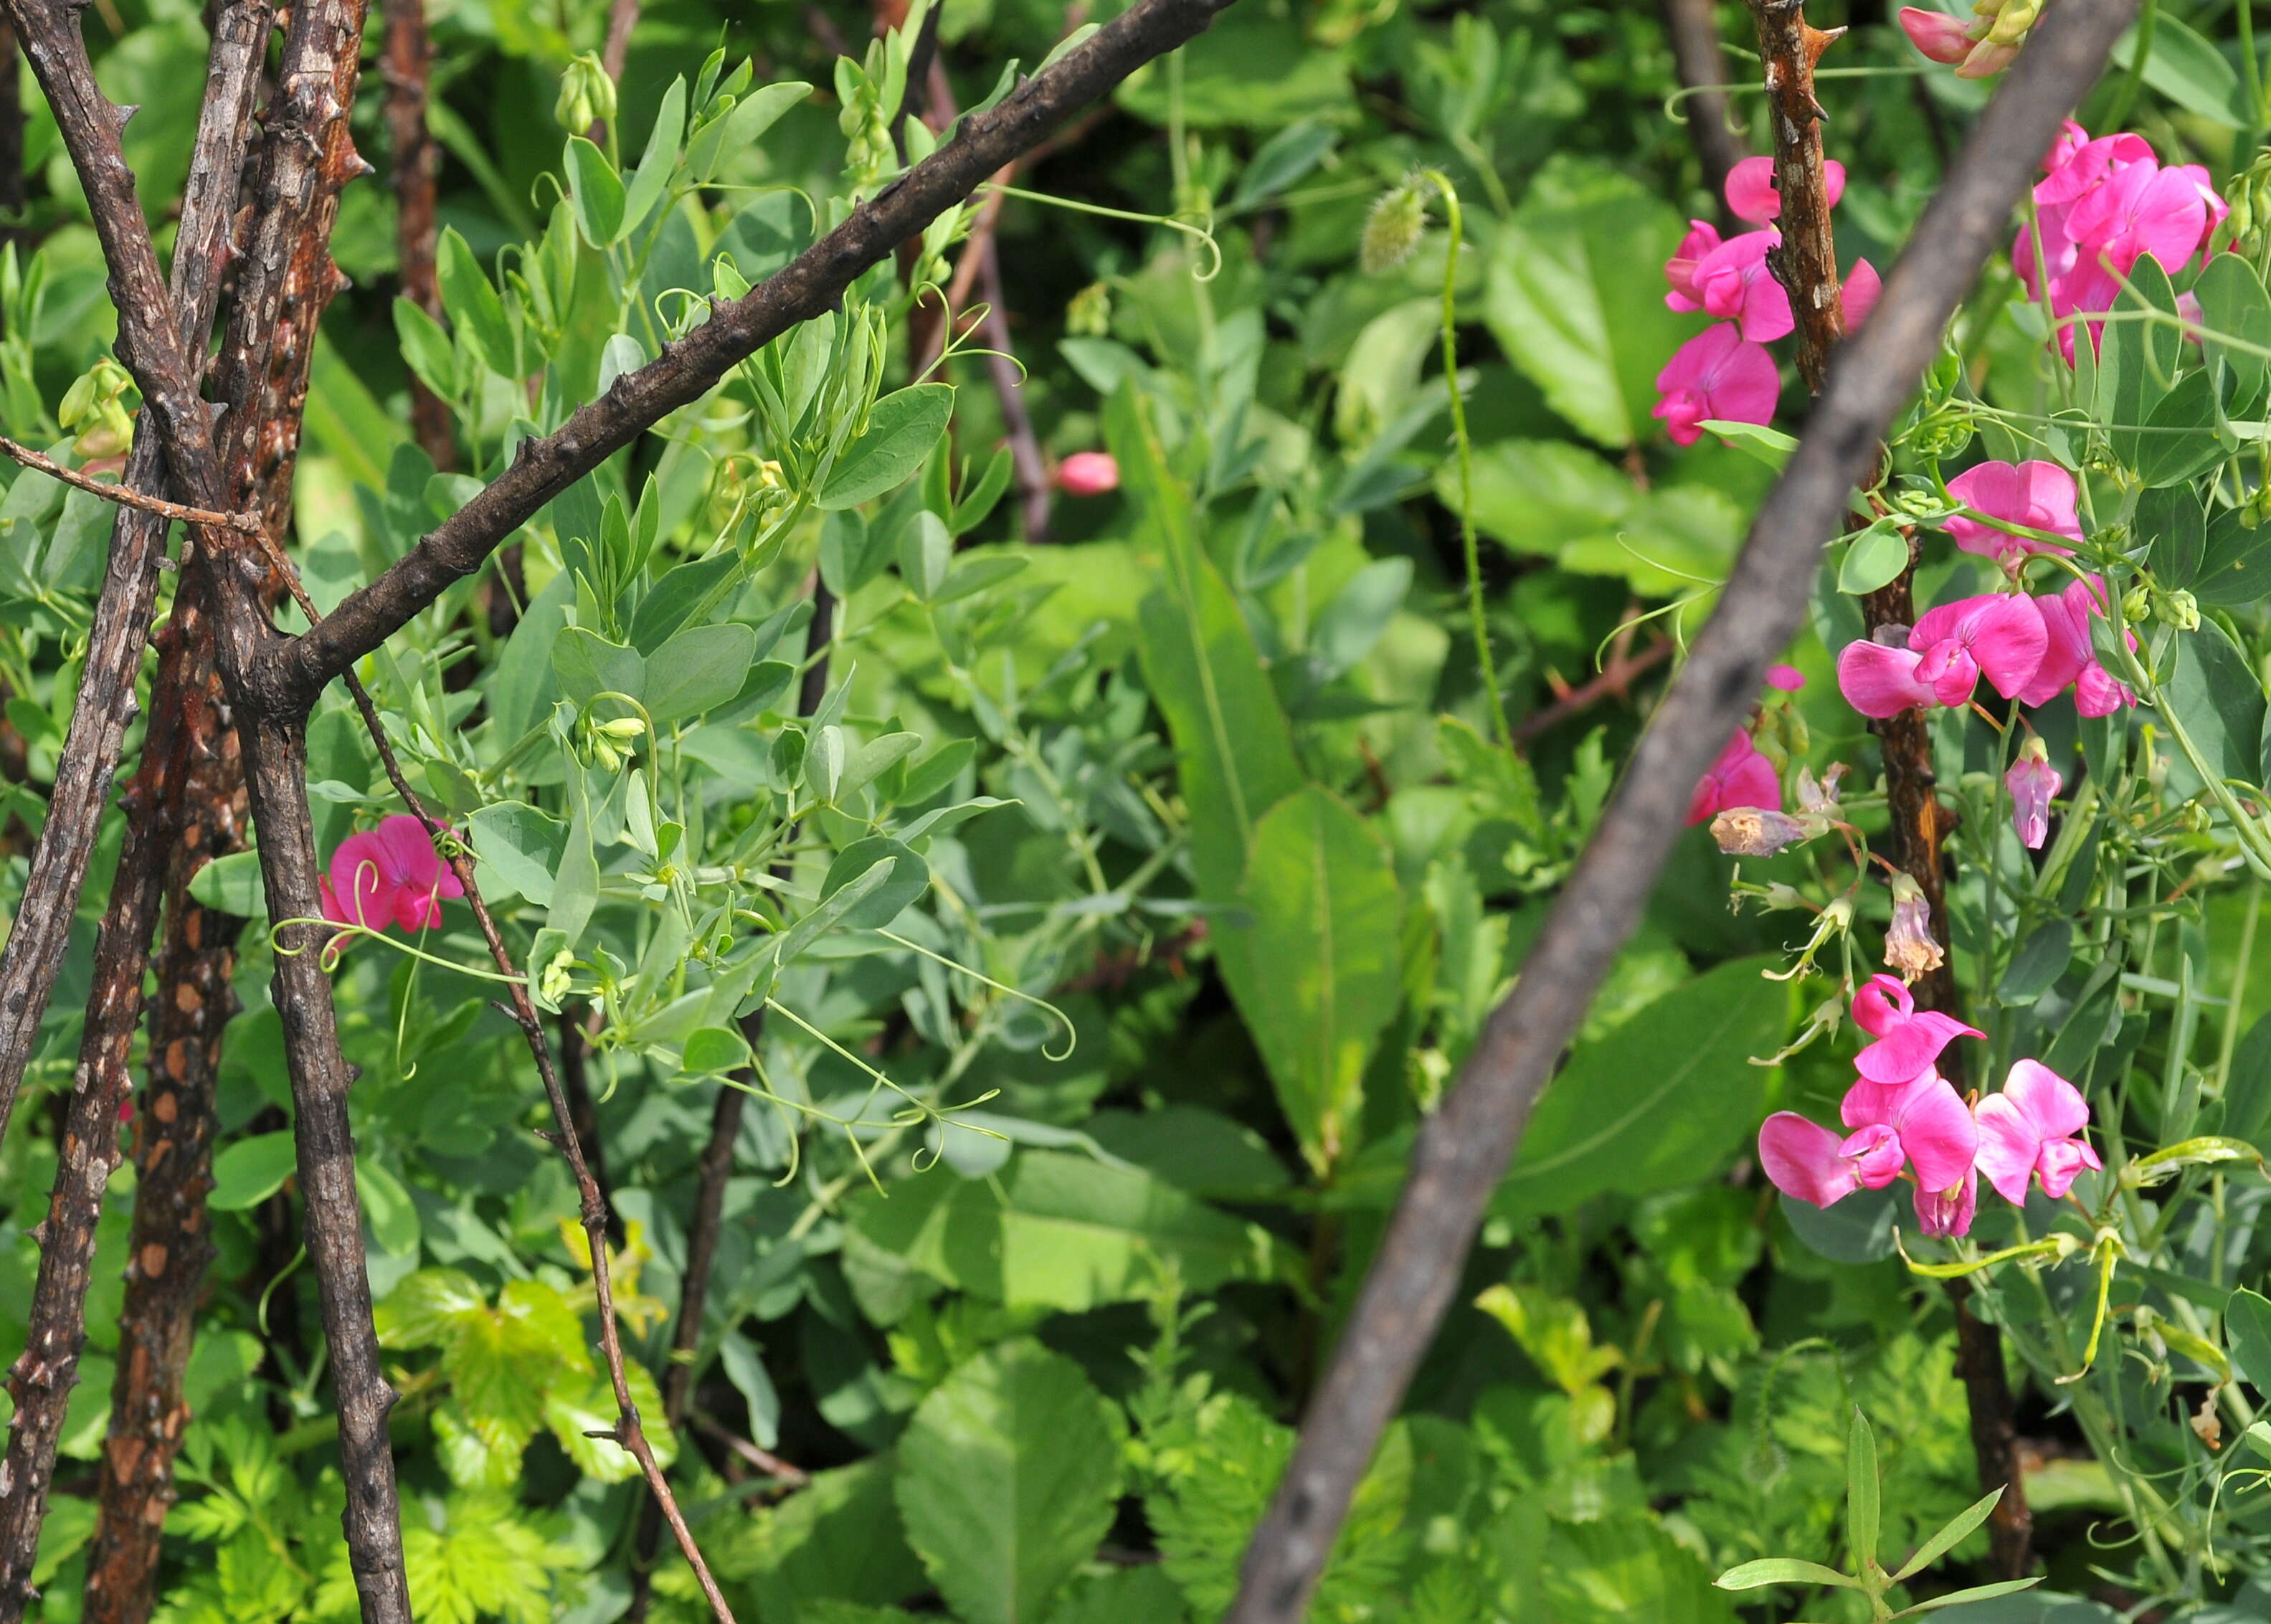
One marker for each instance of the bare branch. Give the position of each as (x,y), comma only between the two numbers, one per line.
(407,68)
(1693,27)
(249,524)
(688,367)
(106,703)
(1464,1149)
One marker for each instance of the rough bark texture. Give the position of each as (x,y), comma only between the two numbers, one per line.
(1464,1149)
(169,1247)
(106,703)
(1805,263)
(407,68)
(11,133)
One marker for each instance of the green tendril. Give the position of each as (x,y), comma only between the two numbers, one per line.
(1072,1034)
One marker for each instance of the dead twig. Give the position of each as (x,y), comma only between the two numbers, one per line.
(245,524)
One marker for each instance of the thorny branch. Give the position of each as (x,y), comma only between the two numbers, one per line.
(1464,1149)
(42,1380)
(247,524)
(1791,50)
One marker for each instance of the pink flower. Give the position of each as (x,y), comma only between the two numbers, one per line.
(1937,35)
(1858,296)
(1740,778)
(1733,283)
(2038,495)
(1717,376)
(390,875)
(1934,1126)
(1680,269)
(2068,659)
(2028,1130)
(1088,473)
(1879,680)
(2218,210)
(1790,679)
(1751,191)
(1808,1162)
(1998,636)
(2140,210)
(2032,781)
(1948,1212)
(1909,1041)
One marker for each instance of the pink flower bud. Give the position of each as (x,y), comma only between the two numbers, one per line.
(1088,473)
(1935,34)
(2032,781)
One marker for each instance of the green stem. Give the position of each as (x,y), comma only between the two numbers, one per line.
(1475,610)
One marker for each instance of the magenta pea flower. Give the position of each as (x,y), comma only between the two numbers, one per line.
(2041,495)
(1788,679)
(1717,376)
(390,875)
(1941,37)
(1999,636)
(1733,283)
(2029,1130)
(2068,660)
(1741,776)
(1088,473)
(1751,192)
(2032,782)
(2140,210)
(1909,1041)
(1808,1162)
(1937,1136)
(1948,1212)
(1880,678)
(1680,269)
(1858,295)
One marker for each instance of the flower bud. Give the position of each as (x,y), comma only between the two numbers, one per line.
(1941,37)
(1089,314)
(622,728)
(2137,604)
(587,95)
(2181,610)
(1088,473)
(1755,831)
(1391,231)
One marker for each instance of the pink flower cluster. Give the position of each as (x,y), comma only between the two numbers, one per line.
(2102,205)
(389,875)
(2030,649)
(1979,49)
(1724,373)
(1902,1119)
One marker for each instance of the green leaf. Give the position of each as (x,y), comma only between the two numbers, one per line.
(427,1308)
(2214,692)
(250,1171)
(1328,921)
(1770,446)
(2234,305)
(697,670)
(739,129)
(2188,70)
(2247,1093)
(1007,1479)
(597,192)
(2247,1330)
(2173,527)
(589,664)
(425,348)
(519,849)
(472,304)
(926,553)
(1957,1529)
(2137,360)
(1781,1570)
(1575,297)
(1657,1101)
(901,430)
(1873,558)
(1284,159)
(710,1051)
(387,1208)
(907,879)
(2181,438)
(1978,1592)
(1861,1519)
(232,884)
(2236,561)
(660,161)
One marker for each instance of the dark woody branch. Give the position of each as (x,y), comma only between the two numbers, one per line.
(1464,1149)
(290,675)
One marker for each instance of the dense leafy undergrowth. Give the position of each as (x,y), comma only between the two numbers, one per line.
(1077,919)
